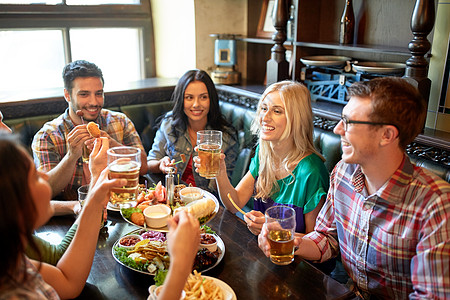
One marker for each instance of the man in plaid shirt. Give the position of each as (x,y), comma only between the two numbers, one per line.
(388,218)
(57,147)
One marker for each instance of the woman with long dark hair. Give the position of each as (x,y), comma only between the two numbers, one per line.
(195,107)
(25,206)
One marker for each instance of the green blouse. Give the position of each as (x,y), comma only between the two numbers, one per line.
(51,253)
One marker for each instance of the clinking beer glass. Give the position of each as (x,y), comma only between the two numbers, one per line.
(280,223)
(209,145)
(124,162)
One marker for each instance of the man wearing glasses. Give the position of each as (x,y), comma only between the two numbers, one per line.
(388,218)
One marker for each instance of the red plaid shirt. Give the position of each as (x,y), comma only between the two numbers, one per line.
(33,288)
(395,243)
(50,143)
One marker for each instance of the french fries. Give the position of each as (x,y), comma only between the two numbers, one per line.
(197,287)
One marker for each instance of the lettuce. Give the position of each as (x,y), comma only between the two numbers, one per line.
(122,255)
(207,229)
(127,212)
(160,277)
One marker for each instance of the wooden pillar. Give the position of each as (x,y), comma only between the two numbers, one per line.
(277,66)
(422,22)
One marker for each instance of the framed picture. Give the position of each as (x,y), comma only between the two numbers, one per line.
(265,26)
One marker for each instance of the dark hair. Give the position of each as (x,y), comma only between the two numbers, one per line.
(394,101)
(215,118)
(17,206)
(80,68)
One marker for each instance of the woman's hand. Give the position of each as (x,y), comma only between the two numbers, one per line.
(183,238)
(166,162)
(98,159)
(100,190)
(222,164)
(255,221)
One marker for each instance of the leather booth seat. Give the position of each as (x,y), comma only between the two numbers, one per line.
(144,117)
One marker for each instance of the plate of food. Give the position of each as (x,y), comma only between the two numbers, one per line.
(198,286)
(204,208)
(145,251)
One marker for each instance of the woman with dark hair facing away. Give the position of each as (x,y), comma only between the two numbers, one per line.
(195,107)
(25,206)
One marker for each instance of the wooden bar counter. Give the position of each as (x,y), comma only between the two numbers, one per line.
(244,267)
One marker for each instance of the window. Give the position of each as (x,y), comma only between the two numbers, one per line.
(39,39)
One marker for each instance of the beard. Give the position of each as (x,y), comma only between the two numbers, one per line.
(86,116)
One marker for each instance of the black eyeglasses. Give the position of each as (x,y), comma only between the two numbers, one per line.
(346,121)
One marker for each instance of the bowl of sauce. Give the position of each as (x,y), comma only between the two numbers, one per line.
(156,215)
(129,241)
(208,241)
(191,193)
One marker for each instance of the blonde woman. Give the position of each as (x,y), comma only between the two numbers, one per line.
(286,168)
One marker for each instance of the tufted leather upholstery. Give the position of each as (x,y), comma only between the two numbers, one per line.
(144,118)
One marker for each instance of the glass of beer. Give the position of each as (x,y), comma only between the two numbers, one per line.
(85,154)
(82,195)
(124,162)
(209,145)
(280,222)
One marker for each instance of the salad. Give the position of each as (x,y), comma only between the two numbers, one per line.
(150,256)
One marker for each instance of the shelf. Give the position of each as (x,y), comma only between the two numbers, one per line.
(403,51)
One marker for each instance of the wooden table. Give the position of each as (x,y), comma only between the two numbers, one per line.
(244,267)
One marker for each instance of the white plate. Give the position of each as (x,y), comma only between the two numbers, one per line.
(228,293)
(379,67)
(112,207)
(166,229)
(325,60)
(220,246)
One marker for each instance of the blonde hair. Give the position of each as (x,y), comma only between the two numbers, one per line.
(297,102)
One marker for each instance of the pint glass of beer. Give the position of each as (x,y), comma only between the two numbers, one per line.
(209,143)
(124,162)
(280,222)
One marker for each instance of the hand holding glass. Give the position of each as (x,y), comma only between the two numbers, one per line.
(209,143)
(82,195)
(124,162)
(280,223)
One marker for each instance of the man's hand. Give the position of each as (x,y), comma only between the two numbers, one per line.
(76,139)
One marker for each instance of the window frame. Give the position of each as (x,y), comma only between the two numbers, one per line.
(63,17)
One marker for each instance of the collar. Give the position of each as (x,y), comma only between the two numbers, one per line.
(393,189)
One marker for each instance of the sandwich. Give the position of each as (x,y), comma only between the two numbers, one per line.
(201,209)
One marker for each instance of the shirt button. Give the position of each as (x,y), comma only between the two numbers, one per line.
(367,206)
